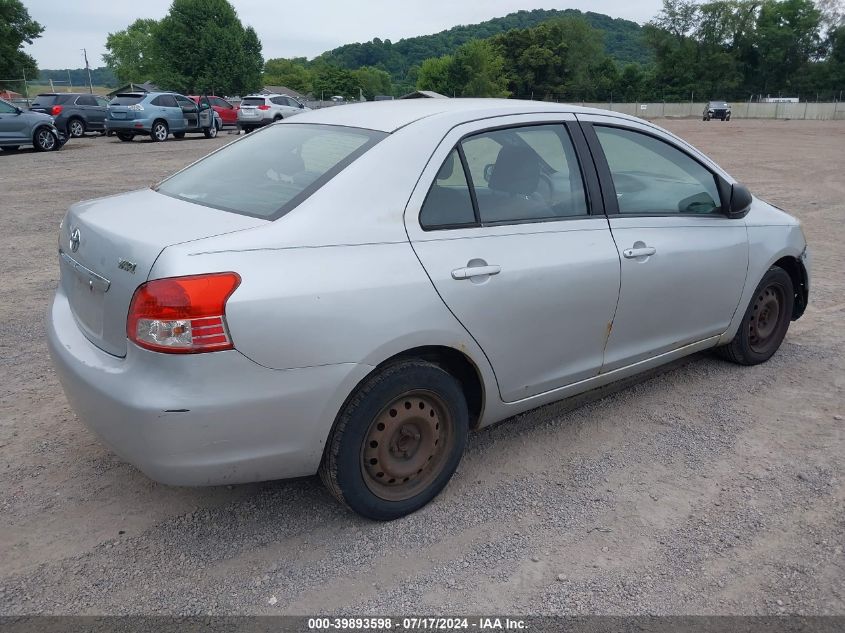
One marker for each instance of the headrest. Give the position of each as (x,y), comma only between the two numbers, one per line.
(517,170)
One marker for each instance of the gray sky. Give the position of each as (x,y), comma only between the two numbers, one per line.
(290,28)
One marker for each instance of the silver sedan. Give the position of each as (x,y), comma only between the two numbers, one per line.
(351,292)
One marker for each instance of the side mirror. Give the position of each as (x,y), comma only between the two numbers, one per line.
(301,106)
(740,203)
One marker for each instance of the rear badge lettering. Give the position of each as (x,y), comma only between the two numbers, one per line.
(125,264)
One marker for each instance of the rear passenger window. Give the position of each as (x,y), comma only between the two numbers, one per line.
(525,174)
(86,100)
(448,203)
(653,178)
(165,101)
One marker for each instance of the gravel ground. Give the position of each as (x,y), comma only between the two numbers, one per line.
(704,489)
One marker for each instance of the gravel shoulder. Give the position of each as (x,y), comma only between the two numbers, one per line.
(705,488)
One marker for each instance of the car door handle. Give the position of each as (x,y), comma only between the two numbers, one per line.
(475,271)
(643,251)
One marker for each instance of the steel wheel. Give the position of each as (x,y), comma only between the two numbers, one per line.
(397,440)
(406,444)
(159,132)
(44,140)
(76,128)
(765,317)
(765,322)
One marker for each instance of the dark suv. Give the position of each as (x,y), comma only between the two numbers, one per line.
(75,112)
(716,110)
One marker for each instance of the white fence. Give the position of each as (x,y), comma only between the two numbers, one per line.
(739,110)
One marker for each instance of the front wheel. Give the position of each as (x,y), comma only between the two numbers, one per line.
(765,322)
(397,441)
(45,141)
(159,132)
(210,132)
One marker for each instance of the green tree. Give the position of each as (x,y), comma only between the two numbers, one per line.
(130,51)
(434,75)
(372,81)
(331,80)
(16,29)
(562,58)
(293,73)
(477,70)
(201,45)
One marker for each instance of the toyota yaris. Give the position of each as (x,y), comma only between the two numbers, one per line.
(352,291)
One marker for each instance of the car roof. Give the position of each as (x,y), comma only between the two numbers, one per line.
(389,116)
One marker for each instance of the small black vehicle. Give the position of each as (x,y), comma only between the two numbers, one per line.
(717,110)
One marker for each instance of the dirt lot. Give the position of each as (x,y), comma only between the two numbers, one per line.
(709,488)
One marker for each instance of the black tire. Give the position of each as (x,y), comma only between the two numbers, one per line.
(159,132)
(44,140)
(430,433)
(178,135)
(247,130)
(125,137)
(278,117)
(211,132)
(761,333)
(10,148)
(76,128)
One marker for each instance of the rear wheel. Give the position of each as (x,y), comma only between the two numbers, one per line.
(10,148)
(44,140)
(159,131)
(397,441)
(76,128)
(210,132)
(123,136)
(766,320)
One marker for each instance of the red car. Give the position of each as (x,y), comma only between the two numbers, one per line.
(228,112)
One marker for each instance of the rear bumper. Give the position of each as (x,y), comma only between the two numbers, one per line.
(129,125)
(254,122)
(200,419)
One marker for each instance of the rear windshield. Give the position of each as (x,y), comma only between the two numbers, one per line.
(268,173)
(125,100)
(45,100)
(253,101)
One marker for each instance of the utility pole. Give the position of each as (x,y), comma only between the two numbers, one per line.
(88,68)
(69,83)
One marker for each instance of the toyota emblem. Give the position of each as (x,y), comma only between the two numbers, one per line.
(74,240)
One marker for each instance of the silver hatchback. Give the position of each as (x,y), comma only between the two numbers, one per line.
(353,291)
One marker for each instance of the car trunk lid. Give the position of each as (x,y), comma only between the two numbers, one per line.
(108,246)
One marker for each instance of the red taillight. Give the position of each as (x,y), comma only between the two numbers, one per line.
(56,110)
(182,315)
(263,107)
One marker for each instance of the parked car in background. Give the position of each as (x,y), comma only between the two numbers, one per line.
(159,114)
(74,112)
(227,112)
(351,292)
(19,127)
(259,110)
(717,110)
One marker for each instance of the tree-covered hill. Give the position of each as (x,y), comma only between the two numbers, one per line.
(622,39)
